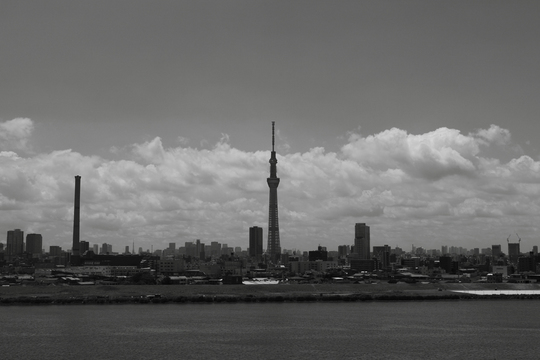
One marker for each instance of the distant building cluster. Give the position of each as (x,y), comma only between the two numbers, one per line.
(23,260)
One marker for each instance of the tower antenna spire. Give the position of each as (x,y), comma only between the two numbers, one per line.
(273,122)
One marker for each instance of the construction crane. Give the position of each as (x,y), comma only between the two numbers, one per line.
(518,237)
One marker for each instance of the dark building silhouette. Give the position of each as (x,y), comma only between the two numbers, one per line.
(319,254)
(496,251)
(344,250)
(527,263)
(274,246)
(55,251)
(382,254)
(361,241)
(14,243)
(84,246)
(255,242)
(34,244)
(363,264)
(446,263)
(513,252)
(76,216)
(199,249)
(106,249)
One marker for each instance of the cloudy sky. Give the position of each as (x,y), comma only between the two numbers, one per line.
(419,118)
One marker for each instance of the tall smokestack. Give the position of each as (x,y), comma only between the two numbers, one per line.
(76,216)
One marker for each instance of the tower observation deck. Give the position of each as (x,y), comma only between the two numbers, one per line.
(274,247)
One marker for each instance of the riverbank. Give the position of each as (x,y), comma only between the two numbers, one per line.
(256,293)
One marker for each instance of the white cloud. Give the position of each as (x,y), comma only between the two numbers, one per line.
(494,134)
(434,155)
(14,134)
(429,189)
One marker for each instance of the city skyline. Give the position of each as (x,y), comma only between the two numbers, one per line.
(418,119)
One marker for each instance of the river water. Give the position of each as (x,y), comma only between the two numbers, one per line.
(479,329)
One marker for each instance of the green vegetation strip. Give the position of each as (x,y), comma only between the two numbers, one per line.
(297,293)
(26,300)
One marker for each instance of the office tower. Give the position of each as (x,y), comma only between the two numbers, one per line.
(14,243)
(361,241)
(444,249)
(535,250)
(34,244)
(256,242)
(200,253)
(76,216)
(382,254)
(127,250)
(109,248)
(496,251)
(215,249)
(84,246)
(104,248)
(172,247)
(513,252)
(343,251)
(225,249)
(191,249)
(95,247)
(274,246)
(55,251)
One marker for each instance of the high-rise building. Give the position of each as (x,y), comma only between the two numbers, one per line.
(191,249)
(496,251)
(55,251)
(201,254)
(14,243)
(76,216)
(215,249)
(255,242)
(104,249)
(513,252)
(344,250)
(382,254)
(362,241)
(274,245)
(34,244)
(84,246)
(225,249)
(95,248)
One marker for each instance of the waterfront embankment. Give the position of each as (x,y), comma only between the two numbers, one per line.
(118,294)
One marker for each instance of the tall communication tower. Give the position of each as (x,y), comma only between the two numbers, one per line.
(274,247)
